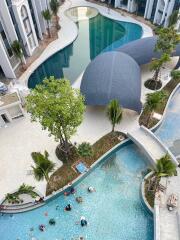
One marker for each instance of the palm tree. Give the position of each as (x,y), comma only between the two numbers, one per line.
(156,66)
(114,113)
(153,101)
(17,50)
(47,16)
(54,5)
(165,167)
(43,166)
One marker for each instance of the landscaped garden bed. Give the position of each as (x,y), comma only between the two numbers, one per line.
(152,84)
(149,193)
(23,195)
(66,173)
(160,109)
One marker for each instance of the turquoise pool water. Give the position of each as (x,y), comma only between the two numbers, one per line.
(114,211)
(169,131)
(96,35)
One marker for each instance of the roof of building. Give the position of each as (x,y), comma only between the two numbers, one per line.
(112,75)
(116,74)
(142,50)
(8,99)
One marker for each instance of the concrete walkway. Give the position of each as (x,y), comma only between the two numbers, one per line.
(150,144)
(169,228)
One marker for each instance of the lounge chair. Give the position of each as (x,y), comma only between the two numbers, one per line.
(172,202)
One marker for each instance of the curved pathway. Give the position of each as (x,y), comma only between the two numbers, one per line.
(150,144)
(167,224)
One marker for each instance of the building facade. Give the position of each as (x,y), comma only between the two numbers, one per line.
(158,11)
(19,20)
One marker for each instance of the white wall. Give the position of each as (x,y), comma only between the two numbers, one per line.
(17,11)
(148,9)
(7,21)
(169,12)
(39,19)
(5,63)
(132,6)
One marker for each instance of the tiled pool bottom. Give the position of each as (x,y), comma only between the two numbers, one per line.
(114,211)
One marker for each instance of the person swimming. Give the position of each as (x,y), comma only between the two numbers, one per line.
(42,227)
(91,189)
(79,199)
(72,190)
(52,221)
(68,207)
(57,207)
(83,221)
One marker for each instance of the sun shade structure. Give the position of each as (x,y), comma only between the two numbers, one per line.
(142,50)
(112,75)
(116,74)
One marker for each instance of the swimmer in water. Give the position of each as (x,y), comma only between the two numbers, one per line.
(68,207)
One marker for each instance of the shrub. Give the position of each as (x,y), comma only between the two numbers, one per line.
(85,149)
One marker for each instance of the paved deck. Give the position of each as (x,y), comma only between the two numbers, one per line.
(169,229)
(152,146)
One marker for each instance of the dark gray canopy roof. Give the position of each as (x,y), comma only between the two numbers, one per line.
(112,75)
(116,75)
(142,50)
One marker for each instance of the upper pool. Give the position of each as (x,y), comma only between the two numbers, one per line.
(95,35)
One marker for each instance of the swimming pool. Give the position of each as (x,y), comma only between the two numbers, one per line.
(169,131)
(114,211)
(95,35)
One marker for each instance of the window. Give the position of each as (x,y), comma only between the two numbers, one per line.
(24,13)
(31,41)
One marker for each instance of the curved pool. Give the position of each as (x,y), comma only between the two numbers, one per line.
(95,35)
(114,211)
(169,131)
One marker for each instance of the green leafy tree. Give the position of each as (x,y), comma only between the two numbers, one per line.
(59,108)
(175,74)
(174,18)
(166,43)
(114,113)
(43,166)
(153,101)
(54,5)
(47,16)
(17,50)
(85,149)
(165,167)
(168,38)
